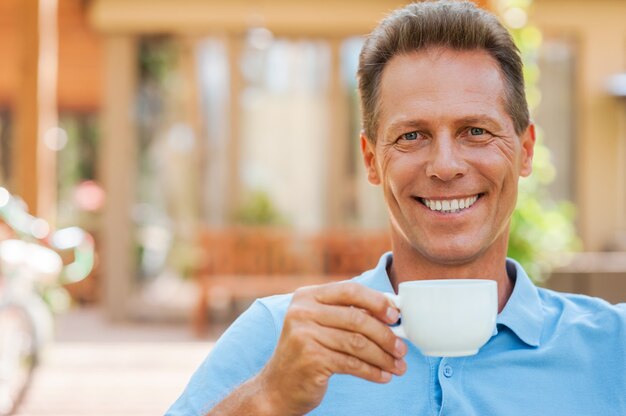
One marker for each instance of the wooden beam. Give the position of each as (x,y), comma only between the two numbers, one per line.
(118,161)
(34,178)
(233,147)
(282,17)
(27,109)
(10,37)
(338,144)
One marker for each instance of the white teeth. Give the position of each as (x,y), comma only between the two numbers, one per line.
(450,205)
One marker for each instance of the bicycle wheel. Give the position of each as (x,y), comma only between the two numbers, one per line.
(18,355)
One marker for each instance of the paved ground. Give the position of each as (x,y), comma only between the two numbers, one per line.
(98,369)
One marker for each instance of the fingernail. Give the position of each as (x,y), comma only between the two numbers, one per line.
(400,347)
(400,365)
(385,376)
(392,315)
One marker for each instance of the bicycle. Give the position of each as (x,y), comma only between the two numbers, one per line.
(30,263)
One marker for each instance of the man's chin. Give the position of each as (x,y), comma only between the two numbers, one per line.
(457,250)
(451,256)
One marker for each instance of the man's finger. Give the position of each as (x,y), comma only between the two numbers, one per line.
(355,294)
(340,363)
(356,320)
(361,347)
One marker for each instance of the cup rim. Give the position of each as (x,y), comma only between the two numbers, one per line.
(449,282)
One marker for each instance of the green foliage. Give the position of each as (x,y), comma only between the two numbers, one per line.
(542,229)
(258,209)
(157,57)
(184,256)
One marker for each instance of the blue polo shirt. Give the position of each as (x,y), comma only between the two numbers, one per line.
(551,354)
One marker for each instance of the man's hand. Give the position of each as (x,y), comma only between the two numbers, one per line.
(330,329)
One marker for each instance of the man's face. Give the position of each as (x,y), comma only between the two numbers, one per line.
(447,154)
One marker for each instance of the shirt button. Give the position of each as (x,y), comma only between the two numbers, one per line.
(448,371)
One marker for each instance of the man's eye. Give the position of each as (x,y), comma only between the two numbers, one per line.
(477,131)
(409,136)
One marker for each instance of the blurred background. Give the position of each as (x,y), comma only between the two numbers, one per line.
(210,148)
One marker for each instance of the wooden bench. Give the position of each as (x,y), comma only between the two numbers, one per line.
(600,274)
(246,263)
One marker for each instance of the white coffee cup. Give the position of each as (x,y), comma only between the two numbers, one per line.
(447,317)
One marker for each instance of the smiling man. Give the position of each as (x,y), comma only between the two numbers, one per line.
(449,157)
(447,135)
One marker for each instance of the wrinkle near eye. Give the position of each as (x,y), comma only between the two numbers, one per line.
(404,147)
(506,145)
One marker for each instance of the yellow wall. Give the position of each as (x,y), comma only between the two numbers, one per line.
(599,30)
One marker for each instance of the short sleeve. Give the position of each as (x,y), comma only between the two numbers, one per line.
(238,355)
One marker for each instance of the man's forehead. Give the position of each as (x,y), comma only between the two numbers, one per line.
(419,64)
(470,84)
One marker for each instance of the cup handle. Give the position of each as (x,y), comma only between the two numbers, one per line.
(398,329)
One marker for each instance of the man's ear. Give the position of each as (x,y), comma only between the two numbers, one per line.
(528,150)
(368,149)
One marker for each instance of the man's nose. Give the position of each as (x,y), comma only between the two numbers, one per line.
(445,160)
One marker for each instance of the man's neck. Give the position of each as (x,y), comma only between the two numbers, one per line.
(408,265)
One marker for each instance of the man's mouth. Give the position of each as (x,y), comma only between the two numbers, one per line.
(450,206)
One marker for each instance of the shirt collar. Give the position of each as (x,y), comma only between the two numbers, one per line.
(377,278)
(522,314)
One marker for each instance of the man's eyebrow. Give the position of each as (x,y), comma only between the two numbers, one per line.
(482,119)
(406,124)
